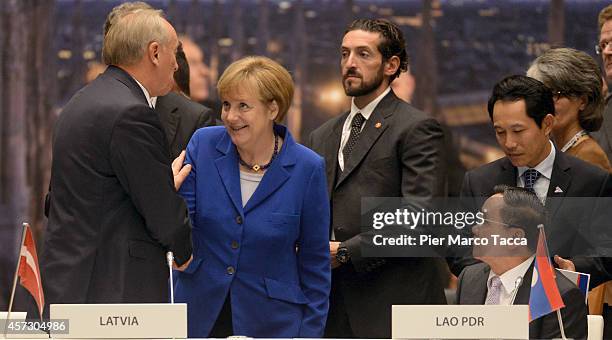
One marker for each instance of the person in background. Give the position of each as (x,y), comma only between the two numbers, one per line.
(181,76)
(180,115)
(604,49)
(575,80)
(404,85)
(199,74)
(260,211)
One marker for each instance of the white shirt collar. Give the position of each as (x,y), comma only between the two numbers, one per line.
(151,100)
(509,279)
(545,167)
(367,110)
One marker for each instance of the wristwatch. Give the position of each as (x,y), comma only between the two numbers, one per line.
(342,255)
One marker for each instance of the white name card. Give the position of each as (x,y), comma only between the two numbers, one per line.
(114,321)
(460,322)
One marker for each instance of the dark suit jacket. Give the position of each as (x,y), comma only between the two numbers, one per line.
(570,229)
(402,157)
(181,117)
(472,290)
(604,135)
(114,211)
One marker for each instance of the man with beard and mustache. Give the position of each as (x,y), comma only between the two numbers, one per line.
(604,49)
(382,147)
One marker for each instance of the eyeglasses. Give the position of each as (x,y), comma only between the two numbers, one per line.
(560,94)
(602,46)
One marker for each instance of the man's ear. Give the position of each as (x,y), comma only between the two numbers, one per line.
(547,124)
(153,51)
(392,65)
(273,107)
(518,233)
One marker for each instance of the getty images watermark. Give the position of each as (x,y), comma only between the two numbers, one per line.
(411,219)
(408,227)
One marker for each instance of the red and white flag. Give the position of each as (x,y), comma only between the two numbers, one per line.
(28,272)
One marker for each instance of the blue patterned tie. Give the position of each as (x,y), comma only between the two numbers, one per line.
(531,176)
(356,124)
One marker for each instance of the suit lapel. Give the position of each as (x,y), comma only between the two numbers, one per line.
(373,129)
(227,165)
(169,116)
(606,129)
(277,174)
(480,286)
(522,296)
(561,179)
(507,176)
(331,152)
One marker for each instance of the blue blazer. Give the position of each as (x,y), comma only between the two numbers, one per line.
(272,256)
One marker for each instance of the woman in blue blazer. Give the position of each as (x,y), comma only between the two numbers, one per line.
(260,212)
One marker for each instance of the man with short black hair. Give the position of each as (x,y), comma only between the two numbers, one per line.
(522,112)
(382,147)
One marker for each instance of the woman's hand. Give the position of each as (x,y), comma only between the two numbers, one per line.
(179,171)
(184,266)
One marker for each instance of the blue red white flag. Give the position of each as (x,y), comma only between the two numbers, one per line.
(545,297)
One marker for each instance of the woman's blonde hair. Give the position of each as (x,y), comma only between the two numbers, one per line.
(269,79)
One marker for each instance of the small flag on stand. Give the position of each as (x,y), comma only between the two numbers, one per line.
(28,272)
(581,280)
(544,297)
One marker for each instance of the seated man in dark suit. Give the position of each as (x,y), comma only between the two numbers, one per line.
(522,112)
(505,274)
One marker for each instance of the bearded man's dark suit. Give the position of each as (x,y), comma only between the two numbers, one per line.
(181,117)
(604,139)
(114,211)
(472,290)
(604,135)
(574,216)
(399,153)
